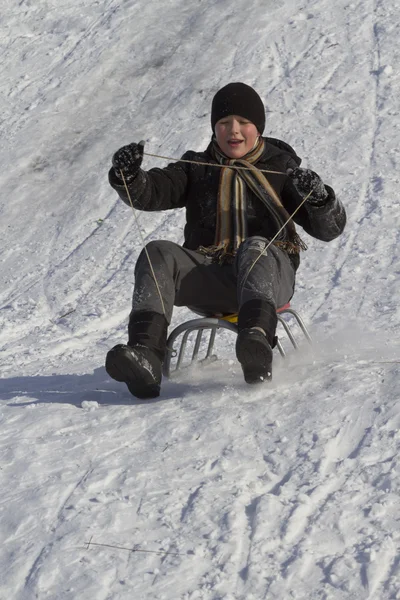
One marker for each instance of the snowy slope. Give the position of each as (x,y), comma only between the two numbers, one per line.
(225,492)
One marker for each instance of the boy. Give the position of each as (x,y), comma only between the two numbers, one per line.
(232,214)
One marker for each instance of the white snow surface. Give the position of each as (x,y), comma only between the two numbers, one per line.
(216,490)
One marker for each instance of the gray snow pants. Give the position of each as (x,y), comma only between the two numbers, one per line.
(188,278)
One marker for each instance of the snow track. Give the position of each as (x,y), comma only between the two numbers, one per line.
(223,491)
(292,505)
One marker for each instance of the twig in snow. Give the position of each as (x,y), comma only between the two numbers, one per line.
(387,362)
(88,543)
(163,552)
(67,313)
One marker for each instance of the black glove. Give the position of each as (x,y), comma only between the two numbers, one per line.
(128,160)
(306,181)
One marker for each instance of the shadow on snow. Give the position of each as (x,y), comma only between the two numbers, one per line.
(93,387)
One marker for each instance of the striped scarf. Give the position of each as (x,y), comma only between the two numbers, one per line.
(231,228)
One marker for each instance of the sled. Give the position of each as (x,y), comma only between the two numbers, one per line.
(177,348)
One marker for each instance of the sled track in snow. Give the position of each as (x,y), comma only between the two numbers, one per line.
(362,236)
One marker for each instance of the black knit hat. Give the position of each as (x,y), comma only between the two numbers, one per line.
(241,100)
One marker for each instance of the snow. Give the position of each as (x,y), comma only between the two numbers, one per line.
(217,490)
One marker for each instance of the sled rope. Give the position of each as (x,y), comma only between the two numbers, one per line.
(276,235)
(144,244)
(221,167)
(195,162)
(206,164)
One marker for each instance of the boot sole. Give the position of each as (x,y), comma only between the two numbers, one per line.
(121,366)
(255,355)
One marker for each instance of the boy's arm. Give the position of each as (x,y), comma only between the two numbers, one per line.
(322,215)
(156,189)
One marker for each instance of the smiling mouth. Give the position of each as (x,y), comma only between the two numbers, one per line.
(234,142)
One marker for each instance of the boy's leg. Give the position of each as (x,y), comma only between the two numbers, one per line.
(265,282)
(184,278)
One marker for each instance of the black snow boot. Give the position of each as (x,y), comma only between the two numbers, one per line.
(257,324)
(139,367)
(139,363)
(254,354)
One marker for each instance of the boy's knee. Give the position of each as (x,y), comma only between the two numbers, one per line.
(255,242)
(161,247)
(158,251)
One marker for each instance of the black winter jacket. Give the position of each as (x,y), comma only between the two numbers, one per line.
(195,187)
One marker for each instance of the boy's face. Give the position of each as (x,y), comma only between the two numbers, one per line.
(235,135)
